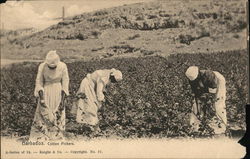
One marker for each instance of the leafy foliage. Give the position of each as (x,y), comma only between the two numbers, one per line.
(153,100)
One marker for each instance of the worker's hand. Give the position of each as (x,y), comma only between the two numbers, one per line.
(42,102)
(101,97)
(58,115)
(212,90)
(104,100)
(81,95)
(228,132)
(61,106)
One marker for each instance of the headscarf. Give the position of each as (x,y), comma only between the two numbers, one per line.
(192,72)
(52,59)
(117,74)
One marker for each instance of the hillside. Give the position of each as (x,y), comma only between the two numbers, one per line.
(18,32)
(10,35)
(142,29)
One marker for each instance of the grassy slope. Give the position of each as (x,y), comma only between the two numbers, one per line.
(160,27)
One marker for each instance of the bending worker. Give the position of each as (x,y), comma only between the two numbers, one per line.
(206,81)
(90,95)
(52,86)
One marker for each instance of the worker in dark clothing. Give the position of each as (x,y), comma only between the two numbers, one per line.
(207,81)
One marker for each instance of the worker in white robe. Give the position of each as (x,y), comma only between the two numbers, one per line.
(90,95)
(52,83)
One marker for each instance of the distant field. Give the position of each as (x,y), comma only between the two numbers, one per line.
(153,100)
(8,62)
(138,30)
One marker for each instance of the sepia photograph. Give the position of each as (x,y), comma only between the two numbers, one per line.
(123,78)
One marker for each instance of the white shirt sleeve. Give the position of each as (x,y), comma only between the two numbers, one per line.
(99,90)
(65,80)
(39,80)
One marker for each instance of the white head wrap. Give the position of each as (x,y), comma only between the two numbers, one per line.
(117,74)
(52,59)
(192,72)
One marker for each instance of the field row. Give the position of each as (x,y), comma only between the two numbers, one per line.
(154,99)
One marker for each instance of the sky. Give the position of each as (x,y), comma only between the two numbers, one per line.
(40,14)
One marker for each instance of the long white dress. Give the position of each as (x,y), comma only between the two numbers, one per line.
(49,122)
(92,86)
